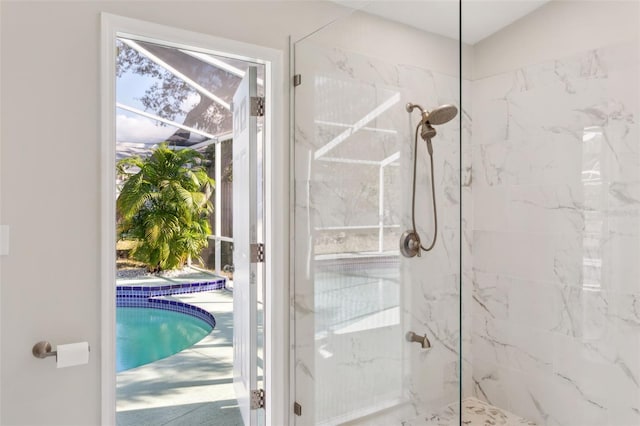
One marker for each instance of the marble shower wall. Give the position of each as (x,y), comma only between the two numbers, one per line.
(355,298)
(556,239)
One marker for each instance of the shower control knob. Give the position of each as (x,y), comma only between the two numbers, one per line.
(410,244)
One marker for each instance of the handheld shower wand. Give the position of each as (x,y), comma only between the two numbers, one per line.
(410,244)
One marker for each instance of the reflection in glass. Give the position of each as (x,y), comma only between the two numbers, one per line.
(355,185)
(595,225)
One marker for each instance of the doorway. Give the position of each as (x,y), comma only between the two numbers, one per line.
(184,87)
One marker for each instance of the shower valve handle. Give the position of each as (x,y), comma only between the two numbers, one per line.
(410,244)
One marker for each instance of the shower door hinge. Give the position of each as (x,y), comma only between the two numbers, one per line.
(257,399)
(297,409)
(257,252)
(257,106)
(297,80)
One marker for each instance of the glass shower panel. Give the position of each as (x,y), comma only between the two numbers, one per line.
(356,298)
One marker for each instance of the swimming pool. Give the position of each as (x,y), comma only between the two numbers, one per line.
(144,335)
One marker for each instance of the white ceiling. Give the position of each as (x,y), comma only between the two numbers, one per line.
(480,18)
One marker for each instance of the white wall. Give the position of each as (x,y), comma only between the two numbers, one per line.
(50,180)
(559,28)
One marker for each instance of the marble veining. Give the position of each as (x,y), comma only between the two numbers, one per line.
(474,413)
(353,164)
(550,228)
(556,223)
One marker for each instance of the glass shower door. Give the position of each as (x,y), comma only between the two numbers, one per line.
(356,298)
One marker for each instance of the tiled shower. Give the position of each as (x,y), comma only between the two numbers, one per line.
(531,297)
(556,241)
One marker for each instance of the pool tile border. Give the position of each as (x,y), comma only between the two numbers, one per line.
(140,296)
(125,291)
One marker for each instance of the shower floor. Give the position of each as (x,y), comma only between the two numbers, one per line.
(474,413)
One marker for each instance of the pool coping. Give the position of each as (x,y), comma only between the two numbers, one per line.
(153,296)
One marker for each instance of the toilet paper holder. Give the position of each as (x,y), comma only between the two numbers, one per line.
(43,350)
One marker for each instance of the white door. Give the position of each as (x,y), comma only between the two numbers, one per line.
(245,233)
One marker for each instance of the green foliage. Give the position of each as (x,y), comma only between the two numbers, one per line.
(163,207)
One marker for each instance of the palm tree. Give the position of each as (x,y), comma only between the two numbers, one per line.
(163,207)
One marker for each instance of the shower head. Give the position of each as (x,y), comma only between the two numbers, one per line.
(442,114)
(439,115)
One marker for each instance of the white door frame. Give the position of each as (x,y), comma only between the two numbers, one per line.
(276,181)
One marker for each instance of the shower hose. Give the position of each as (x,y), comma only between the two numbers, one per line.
(433,191)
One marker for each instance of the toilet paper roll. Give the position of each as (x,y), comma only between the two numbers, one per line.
(72,354)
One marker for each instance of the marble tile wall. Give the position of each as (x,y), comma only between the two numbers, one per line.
(355,298)
(555,239)
(550,240)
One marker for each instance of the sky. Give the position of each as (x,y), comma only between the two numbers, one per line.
(131,127)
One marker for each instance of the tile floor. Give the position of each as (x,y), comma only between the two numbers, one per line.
(474,413)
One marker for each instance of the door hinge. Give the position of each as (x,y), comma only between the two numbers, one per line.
(257,253)
(297,80)
(297,409)
(257,399)
(257,106)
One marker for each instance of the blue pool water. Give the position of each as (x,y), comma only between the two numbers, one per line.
(144,335)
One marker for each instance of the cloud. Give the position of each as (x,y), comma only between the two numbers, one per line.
(140,130)
(191,101)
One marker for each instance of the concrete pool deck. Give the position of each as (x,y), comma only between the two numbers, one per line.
(192,387)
